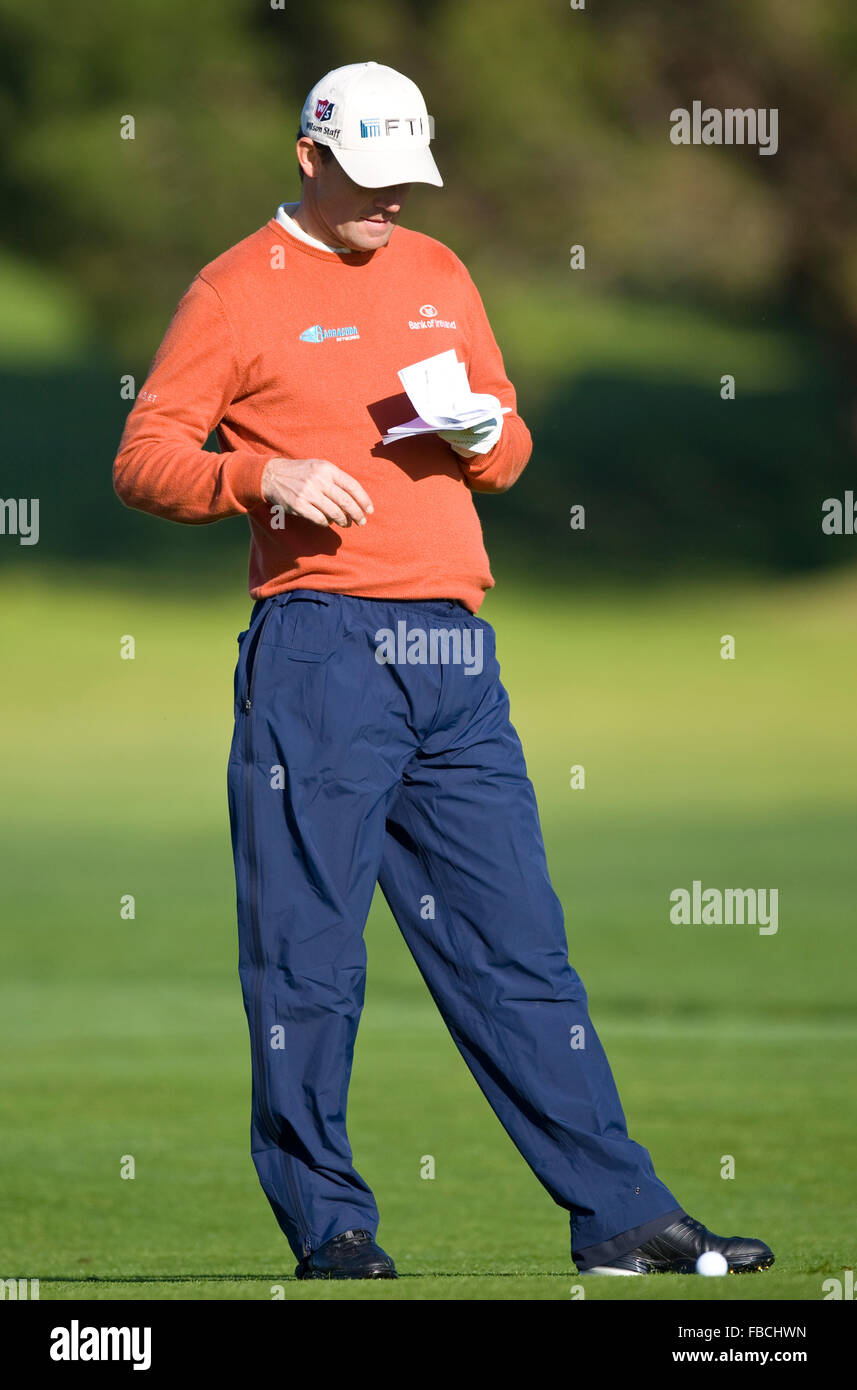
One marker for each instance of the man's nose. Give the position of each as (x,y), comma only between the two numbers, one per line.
(391,199)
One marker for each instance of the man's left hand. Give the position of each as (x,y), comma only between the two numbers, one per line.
(478,440)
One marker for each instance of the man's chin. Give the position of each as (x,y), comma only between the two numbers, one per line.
(368,236)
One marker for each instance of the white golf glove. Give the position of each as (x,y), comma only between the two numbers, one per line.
(478,440)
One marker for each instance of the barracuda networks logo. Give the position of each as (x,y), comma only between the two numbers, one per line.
(317,334)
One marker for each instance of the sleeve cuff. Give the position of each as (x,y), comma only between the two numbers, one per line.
(244,472)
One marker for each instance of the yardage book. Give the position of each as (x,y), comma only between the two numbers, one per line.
(440,393)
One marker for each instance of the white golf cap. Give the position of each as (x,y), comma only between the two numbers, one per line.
(375,121)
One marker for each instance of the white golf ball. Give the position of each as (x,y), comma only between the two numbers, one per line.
(712,1264)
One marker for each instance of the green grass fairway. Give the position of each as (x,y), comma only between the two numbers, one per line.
(127,1037)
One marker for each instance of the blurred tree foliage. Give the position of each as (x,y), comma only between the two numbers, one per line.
(552,129)
(551,125)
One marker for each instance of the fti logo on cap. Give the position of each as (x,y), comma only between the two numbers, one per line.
(371,126)
(323,109)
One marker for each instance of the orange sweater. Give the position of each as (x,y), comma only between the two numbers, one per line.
(293,352)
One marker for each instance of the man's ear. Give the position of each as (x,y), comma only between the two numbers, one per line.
(306,156)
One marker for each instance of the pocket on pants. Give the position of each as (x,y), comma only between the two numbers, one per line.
(308,626)
(248,646)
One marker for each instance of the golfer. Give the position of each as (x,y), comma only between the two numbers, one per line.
(372,738)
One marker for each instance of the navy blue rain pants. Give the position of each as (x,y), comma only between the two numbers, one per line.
(346,771)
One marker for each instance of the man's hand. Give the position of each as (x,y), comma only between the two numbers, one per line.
(479,439)
(316,490)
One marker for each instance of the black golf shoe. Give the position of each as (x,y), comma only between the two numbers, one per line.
(676,1249)
(350,1255)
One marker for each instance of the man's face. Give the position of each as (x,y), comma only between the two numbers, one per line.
(344,213)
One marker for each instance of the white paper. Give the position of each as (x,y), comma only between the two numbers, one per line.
(440,393)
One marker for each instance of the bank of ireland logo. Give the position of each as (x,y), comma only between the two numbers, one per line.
(370,127)
(323,109)
(428,318)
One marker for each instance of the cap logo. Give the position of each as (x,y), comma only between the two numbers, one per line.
(370,126)
(323,109)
